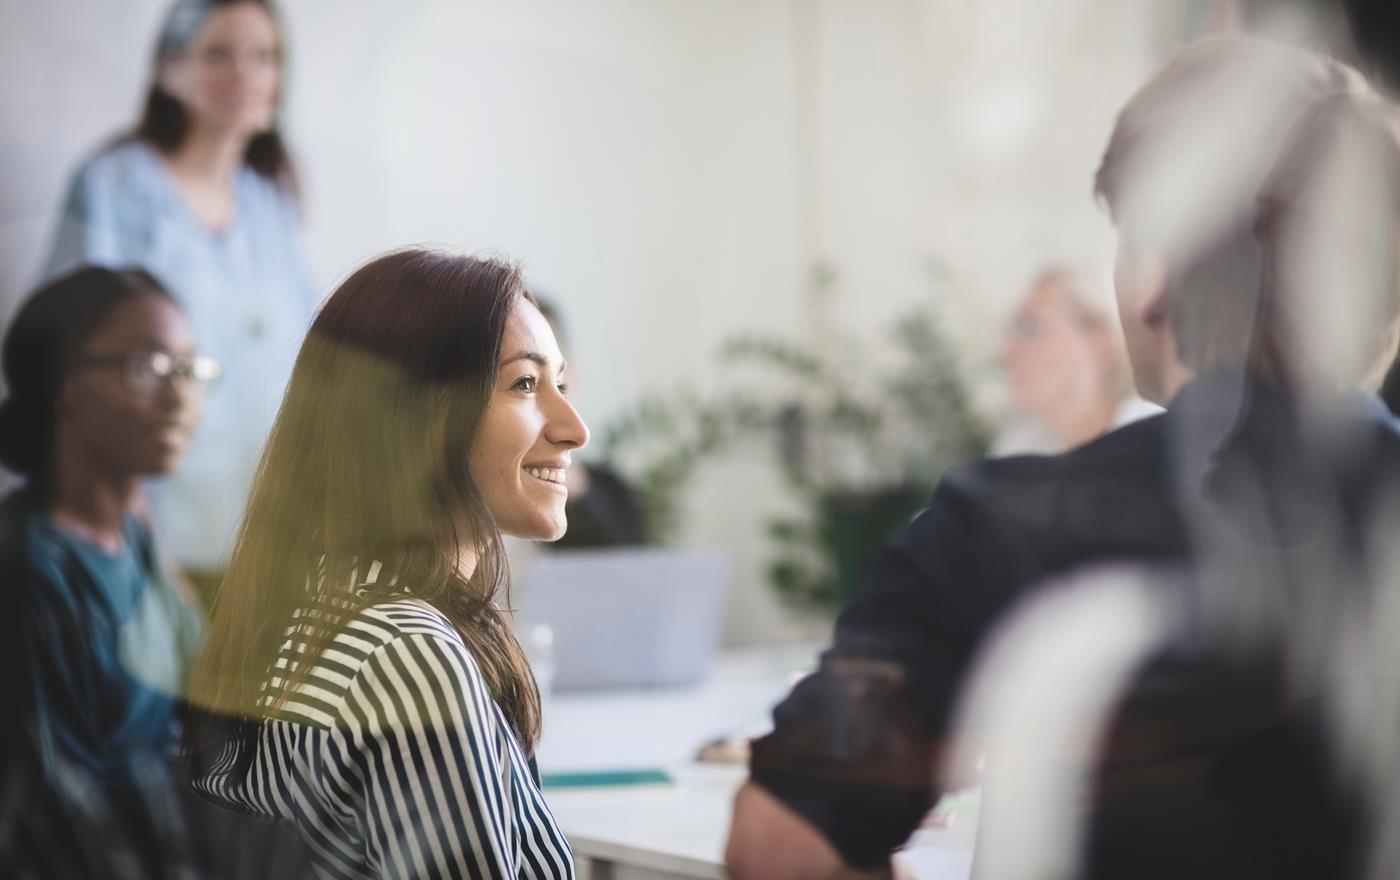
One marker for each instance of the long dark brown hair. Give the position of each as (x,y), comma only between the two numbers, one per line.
(367,463)
(164,120)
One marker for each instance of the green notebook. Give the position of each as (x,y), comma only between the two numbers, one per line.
(605,778)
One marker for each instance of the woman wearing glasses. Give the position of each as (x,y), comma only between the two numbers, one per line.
(105,389)
(202,194)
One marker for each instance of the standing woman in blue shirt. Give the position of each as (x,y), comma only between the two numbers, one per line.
(202,195)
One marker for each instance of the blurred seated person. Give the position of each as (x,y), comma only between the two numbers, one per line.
(105,389)
(603,510)
(1257,291)
(1067,369)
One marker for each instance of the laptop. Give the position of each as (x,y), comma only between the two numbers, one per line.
(634,617)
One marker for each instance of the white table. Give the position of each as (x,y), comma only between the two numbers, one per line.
(666,832)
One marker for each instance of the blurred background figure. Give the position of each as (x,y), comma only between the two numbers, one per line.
(603,509)
(105,389)
(202,194)
(1256,191)
(1067,370)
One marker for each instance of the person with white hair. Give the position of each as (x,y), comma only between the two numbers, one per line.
(1255,190)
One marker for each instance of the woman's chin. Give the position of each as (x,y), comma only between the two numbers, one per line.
(553,534)
(543,531)
(242,125)
(160,457)
(157,466)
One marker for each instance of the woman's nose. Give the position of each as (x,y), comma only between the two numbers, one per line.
(179,391)
(566,426)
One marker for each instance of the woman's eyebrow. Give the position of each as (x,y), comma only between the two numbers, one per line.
(144,343)
(537,358)
(526,356)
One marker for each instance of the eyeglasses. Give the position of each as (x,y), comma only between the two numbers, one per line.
(145,372)
(1025,328)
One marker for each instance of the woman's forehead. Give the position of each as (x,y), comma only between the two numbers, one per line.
(247,20)
(143,320)
(527,330)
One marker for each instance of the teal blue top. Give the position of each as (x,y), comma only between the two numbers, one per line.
(108,640)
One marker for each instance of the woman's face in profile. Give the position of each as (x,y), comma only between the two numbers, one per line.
(116,407)
(522,448)
(229,77)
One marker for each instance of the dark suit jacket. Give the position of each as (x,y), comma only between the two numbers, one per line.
(1215,767)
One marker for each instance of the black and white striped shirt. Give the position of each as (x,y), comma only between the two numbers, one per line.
(393,760)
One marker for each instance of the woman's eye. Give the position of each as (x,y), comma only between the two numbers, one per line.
(563,387)
(525,383)
(218,54)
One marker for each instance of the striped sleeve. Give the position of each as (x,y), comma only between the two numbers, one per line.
(426,763)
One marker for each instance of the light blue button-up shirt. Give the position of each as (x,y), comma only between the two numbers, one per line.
(249,299)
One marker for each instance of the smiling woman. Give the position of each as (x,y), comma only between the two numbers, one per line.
(360,681)
(527,433)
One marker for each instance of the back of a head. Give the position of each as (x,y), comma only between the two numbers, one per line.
(1197,172)
(1329,225)
(1267,180)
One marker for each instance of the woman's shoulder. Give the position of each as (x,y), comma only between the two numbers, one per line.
(401,646)
(363,652)
(408,618)
(123,176)
(121,162)
(32,537)
(41,559)
(402,633)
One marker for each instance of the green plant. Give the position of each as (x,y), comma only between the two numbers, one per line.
(860,440)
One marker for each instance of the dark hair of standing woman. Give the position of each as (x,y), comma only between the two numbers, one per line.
(165,122)
(42,346)
(367,463)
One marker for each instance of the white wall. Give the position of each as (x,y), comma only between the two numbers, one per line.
(666,169)
(71,74)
